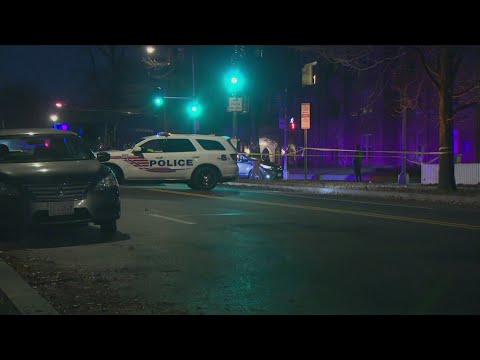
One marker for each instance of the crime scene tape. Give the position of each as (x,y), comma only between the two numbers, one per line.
(302,150)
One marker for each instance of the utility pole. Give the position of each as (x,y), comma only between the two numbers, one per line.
(234,121)
(285,139)
(403,178)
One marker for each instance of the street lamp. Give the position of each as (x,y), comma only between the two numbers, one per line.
(54,118)
(150,49)
(59,105)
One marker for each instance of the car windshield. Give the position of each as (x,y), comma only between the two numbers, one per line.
(42,148)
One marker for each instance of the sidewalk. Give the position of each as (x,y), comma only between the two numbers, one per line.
(17,297)
(466,195)
(369,173)
(6,306)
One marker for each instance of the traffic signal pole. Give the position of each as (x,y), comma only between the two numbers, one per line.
(196,126)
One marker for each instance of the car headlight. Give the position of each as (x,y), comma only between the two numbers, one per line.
(8,189)
(108,182)
(268,167)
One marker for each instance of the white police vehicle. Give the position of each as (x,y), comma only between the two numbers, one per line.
(201,161)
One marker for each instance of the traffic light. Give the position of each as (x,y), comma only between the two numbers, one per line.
(292,124)
(234,81)
(158,101)
(194,109)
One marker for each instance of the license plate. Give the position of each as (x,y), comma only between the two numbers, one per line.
(60,208)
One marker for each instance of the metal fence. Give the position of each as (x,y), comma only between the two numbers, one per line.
(465,174)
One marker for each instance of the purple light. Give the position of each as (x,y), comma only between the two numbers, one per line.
(456,142)
(64,127)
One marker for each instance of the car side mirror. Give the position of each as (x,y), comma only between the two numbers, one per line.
(137,150)
(103,156)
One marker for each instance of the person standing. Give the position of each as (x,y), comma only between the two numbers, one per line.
(357,163)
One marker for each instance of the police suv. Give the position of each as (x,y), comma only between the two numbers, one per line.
(200,161)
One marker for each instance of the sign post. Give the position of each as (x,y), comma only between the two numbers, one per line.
(305,122)
(235,105)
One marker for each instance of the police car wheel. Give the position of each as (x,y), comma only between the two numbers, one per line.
(109,227)
(205,179)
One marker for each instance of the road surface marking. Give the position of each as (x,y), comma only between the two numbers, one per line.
(335,211)
(221,214)
(353,201)
(172,219)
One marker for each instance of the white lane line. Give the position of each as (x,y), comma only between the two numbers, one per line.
(172,219)
(352,201)
(222,214)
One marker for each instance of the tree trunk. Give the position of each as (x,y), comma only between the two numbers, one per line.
(446,173)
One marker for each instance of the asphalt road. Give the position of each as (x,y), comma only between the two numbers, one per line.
(235,251)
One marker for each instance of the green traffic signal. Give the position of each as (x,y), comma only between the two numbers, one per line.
(234,81)
(194,109)
(158,101)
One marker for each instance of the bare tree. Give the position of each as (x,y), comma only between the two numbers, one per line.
(408,84)
(458,86)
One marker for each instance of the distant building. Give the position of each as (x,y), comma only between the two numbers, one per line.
(344,114)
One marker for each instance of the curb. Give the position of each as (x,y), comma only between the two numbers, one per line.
(23,296)
(446,199)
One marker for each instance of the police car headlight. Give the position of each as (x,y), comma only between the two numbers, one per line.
(7,189)
(108,182)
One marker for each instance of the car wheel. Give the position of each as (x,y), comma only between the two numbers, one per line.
(118,174)
(205,178)
(109,227)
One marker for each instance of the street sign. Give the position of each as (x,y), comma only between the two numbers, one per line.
(235,104)
(305,118)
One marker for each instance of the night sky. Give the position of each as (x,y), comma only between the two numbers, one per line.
(57,69)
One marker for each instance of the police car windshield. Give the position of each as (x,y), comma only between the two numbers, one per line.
(42,148)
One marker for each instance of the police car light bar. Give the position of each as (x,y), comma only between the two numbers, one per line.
(163,133)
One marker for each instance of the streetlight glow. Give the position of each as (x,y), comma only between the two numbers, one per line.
(53,118)
(58,105)
(234,80)
(194,108)
(150,49)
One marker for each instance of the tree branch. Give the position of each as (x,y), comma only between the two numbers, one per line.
(458,60)
(467,90)
(466,106)
(431,74)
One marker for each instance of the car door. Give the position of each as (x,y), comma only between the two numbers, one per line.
(174,160)
(244,166)
(139,164)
